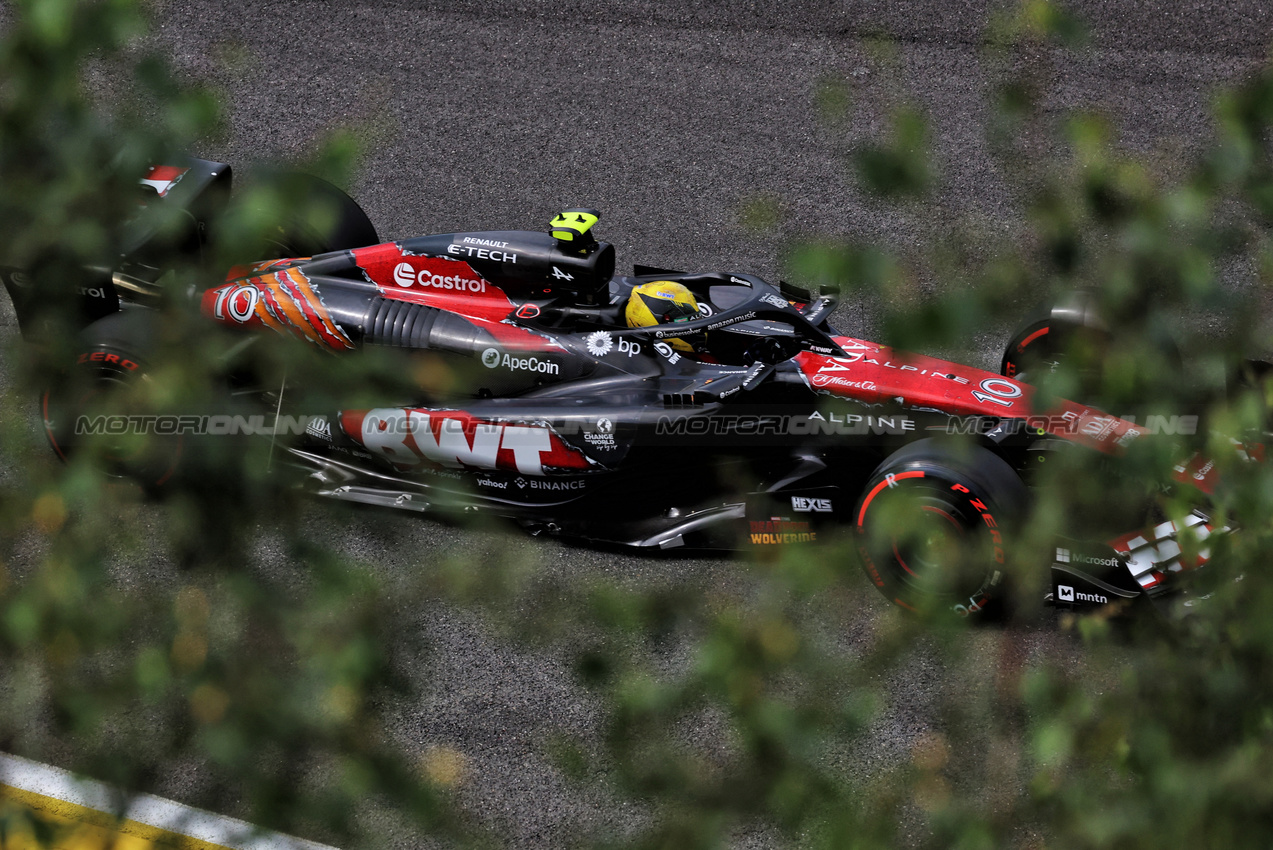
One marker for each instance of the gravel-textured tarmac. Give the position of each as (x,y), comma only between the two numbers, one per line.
(669,117)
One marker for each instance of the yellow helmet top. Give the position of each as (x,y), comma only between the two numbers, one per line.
(660,302)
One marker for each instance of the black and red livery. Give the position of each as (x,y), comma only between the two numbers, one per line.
(775,429)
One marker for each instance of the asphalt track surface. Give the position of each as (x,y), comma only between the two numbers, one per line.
(669,117)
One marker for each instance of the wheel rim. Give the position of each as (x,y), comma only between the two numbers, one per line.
(151,460)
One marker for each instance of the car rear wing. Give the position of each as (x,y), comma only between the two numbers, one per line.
(195,190)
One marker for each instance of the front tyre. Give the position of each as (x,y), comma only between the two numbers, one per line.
(1032,352)
(1075,330)
(934,525)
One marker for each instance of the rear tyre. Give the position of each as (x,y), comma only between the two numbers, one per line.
(934,525)
(85,407)
(339,225)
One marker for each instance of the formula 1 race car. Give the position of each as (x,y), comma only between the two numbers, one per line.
(748,422)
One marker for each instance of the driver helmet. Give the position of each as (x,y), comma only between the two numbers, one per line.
(660,302)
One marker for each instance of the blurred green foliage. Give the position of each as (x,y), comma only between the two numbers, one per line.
(132,660)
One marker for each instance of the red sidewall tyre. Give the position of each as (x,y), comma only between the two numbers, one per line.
(110,359)
(1031,349)
(934,527)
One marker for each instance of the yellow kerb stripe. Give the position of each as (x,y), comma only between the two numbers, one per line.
(81,814)
(81,828)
